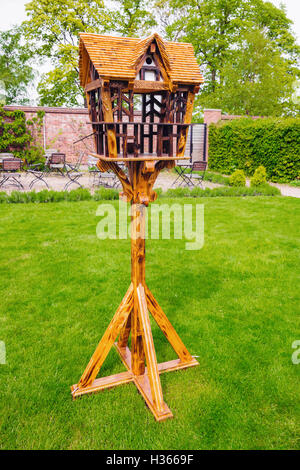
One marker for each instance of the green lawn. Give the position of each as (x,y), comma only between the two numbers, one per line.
(235,304)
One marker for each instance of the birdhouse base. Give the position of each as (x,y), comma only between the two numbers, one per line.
(145,379)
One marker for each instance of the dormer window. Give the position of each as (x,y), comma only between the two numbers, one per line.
(149,71)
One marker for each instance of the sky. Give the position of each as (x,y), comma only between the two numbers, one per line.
(13,12)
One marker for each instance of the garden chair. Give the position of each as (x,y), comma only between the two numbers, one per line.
(181,168)
(99,178)
(9,172)
(39,171)
(57,162)
(73,173)
(196,179)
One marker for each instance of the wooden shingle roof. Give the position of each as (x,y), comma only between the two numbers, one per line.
(117,57)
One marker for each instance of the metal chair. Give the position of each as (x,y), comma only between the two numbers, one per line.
(39,171)
(57,162)
(10,167)
(181,170)
(200,168)
(73,173)
(99,178)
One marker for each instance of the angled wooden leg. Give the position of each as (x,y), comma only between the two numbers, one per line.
(107,340)
(149,384)
(125,332)
(167,328)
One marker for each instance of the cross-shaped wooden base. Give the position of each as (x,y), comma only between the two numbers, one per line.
(148,383)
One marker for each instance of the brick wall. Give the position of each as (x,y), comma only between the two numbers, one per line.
(62,127)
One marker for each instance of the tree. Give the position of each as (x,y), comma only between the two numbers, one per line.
(16,73)
(53,31)
(215,28)
(131,18)
(257,81)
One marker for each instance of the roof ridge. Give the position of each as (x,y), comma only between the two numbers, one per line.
(146,42)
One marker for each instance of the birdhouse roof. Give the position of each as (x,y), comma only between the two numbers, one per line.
(117,58)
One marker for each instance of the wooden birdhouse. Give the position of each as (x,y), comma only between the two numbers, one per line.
(149,82)
(140,95)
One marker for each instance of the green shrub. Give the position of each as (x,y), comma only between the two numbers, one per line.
(106,194)
(233,191)
(259,177)
(237,178)
(16,197)
(3,197)
(246,144)
(80,194)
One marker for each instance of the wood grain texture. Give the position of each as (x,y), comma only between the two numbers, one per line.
(102,384)
(150,354)
(108,116)
(107,340)
(187,119)
(166,327)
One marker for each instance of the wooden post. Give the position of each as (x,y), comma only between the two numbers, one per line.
(137,278)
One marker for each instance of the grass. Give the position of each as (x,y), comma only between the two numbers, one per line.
(234,303)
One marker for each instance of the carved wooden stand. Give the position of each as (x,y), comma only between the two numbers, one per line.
(132,314)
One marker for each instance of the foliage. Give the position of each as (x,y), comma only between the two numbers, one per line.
(14,134)
(20,136)
(131,18)
(237,178)
(104,194)
(35,151)
(259,177)
(45,196)
(16,71)
(258,81)
(53,30)
(232,39)
(232,303)
(263,190)
(247,144)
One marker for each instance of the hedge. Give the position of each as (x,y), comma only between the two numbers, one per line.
(83,194)
(246,144)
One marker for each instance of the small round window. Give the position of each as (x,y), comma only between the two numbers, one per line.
(149,60)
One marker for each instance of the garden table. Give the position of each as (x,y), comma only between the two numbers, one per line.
(9,172)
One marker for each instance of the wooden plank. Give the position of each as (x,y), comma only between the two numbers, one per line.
(125,332)
(148,86)
(187,119)
(166,327)
(143,385)
(150,354)
(137,159)
(108,116)
(176,364)
(168,366)
(107,340)
(137,277)
(102,384)
(93,85)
